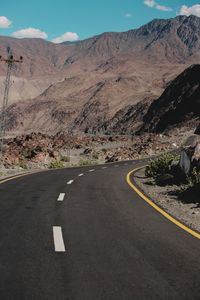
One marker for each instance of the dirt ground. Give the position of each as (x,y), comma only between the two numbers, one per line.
(183,205)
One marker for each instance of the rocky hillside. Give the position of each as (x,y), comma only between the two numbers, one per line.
(179,104)
(93,84)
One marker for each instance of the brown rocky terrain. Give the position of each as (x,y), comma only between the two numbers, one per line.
(39,150)
(102,83)
(178,105)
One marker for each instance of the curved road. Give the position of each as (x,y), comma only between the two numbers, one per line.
(99,242)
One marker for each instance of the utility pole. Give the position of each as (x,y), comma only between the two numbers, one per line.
(10,62)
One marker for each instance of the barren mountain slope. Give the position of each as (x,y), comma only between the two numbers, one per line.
(179,104)
(94,79)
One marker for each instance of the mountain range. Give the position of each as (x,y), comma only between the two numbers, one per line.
(105,83)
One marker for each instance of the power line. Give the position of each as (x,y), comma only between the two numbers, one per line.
(10,61)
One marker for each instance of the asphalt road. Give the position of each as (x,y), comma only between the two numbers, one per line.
(114,245)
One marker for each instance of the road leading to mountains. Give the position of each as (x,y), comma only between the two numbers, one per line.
(83,234)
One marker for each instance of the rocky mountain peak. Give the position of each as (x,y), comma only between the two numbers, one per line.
(85,84)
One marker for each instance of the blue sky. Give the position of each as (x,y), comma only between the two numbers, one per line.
(79,19)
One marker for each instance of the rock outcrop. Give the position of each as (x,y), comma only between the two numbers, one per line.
(179,104)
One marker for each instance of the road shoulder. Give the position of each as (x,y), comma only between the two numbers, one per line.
(156,199)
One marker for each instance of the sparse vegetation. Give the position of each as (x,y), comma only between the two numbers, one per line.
(22,165)
(85,162)
(65,158)
(56,164)
(95,156)
(160,166)
(193,178)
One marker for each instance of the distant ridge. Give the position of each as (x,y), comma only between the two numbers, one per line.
(83,85)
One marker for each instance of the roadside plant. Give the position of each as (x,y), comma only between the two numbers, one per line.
(95,156)
(193,178)
(56,164)
(65,158)
(22,165)
(160,166)
(85,162)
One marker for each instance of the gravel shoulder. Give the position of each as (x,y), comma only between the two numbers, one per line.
(184,206)
(6,173)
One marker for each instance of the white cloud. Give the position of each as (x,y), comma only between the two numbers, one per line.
(163,8)
(150,3)
(30,33)
(128,15)
(192,10)
(154,4)
(4,22)
(66,37)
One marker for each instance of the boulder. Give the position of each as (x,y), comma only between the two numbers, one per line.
(196,155)
(192,141)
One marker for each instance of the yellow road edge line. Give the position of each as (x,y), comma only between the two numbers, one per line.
(12,178)
(16,176)
(157,208)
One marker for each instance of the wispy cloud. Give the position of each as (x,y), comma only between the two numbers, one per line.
(150,3)
(4,22)
(30,33)
(66,37)
(128,15)
(192,10)
(154,4)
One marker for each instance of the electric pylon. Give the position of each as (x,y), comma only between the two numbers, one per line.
(10,61)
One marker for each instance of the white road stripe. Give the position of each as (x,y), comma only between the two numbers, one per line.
(116,166)
(80,175)
(58,239)
(70,182)
(92,170)
(104,167)
(61,197)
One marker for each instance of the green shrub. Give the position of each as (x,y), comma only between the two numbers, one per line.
(160,166)
(95,156)
(65,158)
(85,162)
(56,164)
(193,178)
(22,165)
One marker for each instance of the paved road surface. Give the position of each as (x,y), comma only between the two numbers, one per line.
(113,245)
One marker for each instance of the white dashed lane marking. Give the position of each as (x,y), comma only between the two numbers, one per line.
(92,170)
(104,168)
(70,182)
(80,175)
(61,197)
(58,239)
